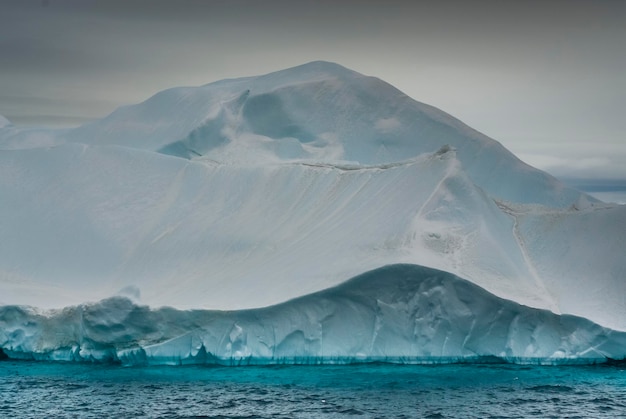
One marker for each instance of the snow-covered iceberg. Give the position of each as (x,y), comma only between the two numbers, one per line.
(251,192)
(398,313)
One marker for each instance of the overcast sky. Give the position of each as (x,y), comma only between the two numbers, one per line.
(545,78)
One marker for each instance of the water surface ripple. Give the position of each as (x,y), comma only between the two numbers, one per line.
(35,389)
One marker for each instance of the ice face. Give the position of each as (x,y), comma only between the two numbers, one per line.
(399,313)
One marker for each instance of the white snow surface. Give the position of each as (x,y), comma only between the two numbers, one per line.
(399,313)
(251,192)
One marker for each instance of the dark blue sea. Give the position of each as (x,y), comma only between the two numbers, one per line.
(60,390)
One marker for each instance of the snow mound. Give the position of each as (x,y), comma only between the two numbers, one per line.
(400,313)
(318,111)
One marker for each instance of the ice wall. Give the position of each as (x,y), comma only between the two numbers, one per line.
(398,313)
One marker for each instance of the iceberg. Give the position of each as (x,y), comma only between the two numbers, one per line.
(272,191)
(397,313)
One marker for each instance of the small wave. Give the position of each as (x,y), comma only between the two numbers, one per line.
(552,389)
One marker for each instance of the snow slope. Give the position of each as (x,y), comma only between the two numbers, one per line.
(237,236)
(250,192)
(87,221)
(319,111)
(399,313)
(585,247)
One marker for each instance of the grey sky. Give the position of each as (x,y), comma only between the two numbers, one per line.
(545,78)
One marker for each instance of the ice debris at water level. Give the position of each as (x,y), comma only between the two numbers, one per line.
(398,313)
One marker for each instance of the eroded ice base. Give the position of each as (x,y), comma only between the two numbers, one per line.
(398,313)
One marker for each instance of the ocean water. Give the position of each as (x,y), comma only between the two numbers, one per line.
(59,390)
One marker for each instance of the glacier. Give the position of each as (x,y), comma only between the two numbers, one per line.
(248,193)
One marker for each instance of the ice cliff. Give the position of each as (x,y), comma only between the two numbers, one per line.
(398,313)
(251,192)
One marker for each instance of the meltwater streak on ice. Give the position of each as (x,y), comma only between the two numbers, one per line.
(398,314)
(452,391)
